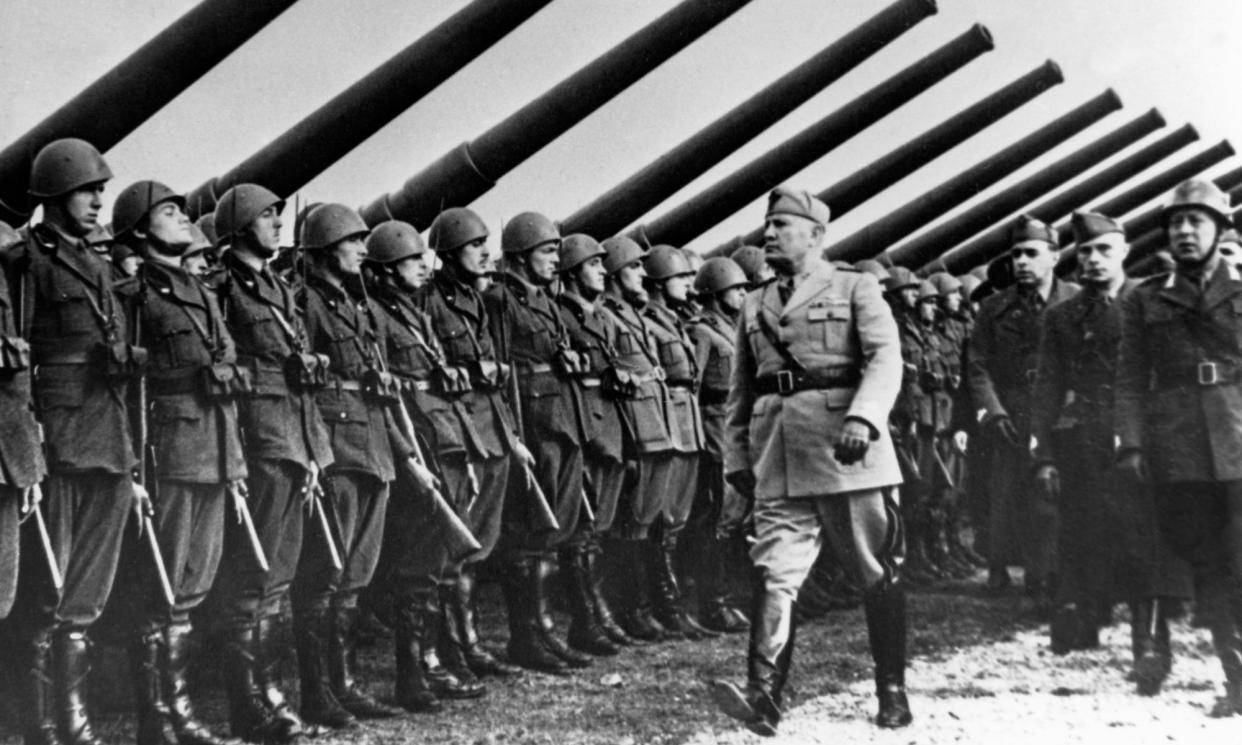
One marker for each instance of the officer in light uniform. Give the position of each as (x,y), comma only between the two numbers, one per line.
(818,368)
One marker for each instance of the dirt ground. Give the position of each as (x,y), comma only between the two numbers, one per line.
(980,672)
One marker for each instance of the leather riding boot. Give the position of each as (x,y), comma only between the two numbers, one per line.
(668,610)
(267,677)
(540,588)
(885,608)
(1149,633)
(460,607)
(38,692)
(146,658)
(73,667)
(525,647)
(340,668)
(768,657)
(452,656)
(585,632)
(319,705)
(413,692)
(249,716)
(590,558)
(190,731)
(442,682)
(1074,627)
(715,612)
(636,617)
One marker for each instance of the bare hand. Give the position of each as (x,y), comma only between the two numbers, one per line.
(1049,480)
(142,506)
(523,455)
(961,441)
(31,497)
(239,493)
(425,479)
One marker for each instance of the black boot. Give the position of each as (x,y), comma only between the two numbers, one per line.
(636,617)
(341,678)
(461,612)
(449,645)
(413,692)
(1151,664)
(768,658)
(38,692)
(590,558)
(319,705)
(1074,627)
(667,592)
(249,716)
(73,667)
(525,647)
(190,731)
(540,587)
(154,719)
(267,661)
(585,632)
(715,612)
(885,607)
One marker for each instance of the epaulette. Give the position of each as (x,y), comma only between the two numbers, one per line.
(44,236)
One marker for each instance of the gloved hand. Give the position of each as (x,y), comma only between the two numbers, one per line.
(1003,427)
(1049,481)
(852,442)
(1132,466)
(744,481)
(961,441)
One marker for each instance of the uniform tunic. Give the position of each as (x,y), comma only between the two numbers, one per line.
(721,508)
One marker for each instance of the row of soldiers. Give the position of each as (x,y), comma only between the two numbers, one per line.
(358,431)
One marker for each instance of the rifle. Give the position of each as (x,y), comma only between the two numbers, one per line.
(239,493)
(316,505)
(147,462)
(57,580)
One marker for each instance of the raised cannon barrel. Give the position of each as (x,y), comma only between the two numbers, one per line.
(995,241)
(143,83)
(689,219)
(312,145)
(932,243)
(879,235)
(471,169)
(610,212)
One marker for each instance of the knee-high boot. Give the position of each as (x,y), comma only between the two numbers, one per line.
(540,587)
(413,691)
(341,678)
(525,646)
(885,607)
(39,691)
(768,658)
(453,678)
(459,605)
(633,589)
(147,661)
(715,611)
(312,627)
(249,715)
(591,565)
(585,632)
(668,607)
(190,731)
(73,667)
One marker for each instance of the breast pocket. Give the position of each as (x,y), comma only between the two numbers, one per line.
(253,330)
(827,319)
(457,343)
(71,304)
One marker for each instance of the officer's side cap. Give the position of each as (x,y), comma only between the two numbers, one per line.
(798,202)
(1089,226)
(1028,230)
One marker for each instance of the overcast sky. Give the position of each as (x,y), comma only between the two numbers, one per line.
(1182,57)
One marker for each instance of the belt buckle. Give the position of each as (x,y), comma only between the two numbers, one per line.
(784,382)
(1209,373)
(660,375)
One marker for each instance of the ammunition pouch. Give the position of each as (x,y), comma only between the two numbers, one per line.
(566,363)
(224,381)
(14,355)
(121,361)
(306,373)
(380,387)
(617,384)
(450,381)
(488,375)
(932,381)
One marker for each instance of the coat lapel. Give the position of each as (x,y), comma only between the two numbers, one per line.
(810,287)
(1223,285)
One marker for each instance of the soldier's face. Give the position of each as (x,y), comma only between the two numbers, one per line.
(952,302)
(195,264)
(81,207)
(1033,262)
(543,261)
(590,274)
(1192,235)
(170,228)
(790,236)
(472,257)
(927,309)
(1100,259)
(265,231)
(348,255)
(630,277)
(130,264)
(908,297)
(677,288)
(731,299)
(414,271)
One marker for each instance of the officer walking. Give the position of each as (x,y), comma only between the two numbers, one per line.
(81,347)
(817,370)
(1179,411)
(286,450)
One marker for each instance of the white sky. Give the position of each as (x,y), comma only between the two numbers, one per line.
(1179,56)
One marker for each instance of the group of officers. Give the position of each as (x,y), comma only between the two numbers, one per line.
(366,421)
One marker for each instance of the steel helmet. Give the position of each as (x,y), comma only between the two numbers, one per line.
(928,291)
(717,275)
(872,267)
(946,284)
(200,242)
(454,228)
(239,206)
(1205,195)
(577,249)
(750,259)
(64,165)
(330,223)
(900,278)
(8,236)
(622,252)
(1230,235)
(100,235)
(970,283)
(528,231)
(664,261)
(138,199)
(207,224)
(394,240)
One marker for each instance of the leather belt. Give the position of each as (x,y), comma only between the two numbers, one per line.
(687,383)
(786,382)
(346,385)
(1202,375)
(713,396)
(175,386)
(535,369)
(589,381)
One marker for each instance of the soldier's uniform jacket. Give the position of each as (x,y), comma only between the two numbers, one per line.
(914,404)
(1077,366)
(645,414)
(194,435)
(527,326)
(415,356)
(593,334)
(836,321)
(935,379)
(348,330)
(715,343)
(74,322)
(1178,395)
(461,324)
(21,453)
(261,312)
(676,354)
(1004,349)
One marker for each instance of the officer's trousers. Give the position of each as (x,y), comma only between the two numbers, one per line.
(10,546)
(356,503)
(277,506)
(642,500)
(189,526)
(483,514)
(558,469)
(680,493)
